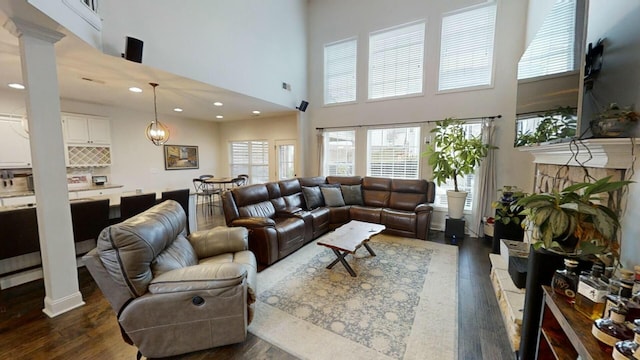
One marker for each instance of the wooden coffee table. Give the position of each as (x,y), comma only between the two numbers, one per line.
(348,238)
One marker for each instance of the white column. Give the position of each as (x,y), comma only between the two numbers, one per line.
(303,164)
(47,152)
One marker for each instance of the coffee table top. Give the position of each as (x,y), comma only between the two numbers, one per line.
(350,236)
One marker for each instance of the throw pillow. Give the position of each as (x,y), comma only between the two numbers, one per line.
(352,194)
(332,196)
(312,197)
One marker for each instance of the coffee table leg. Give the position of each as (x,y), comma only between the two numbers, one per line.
(369,249)
(344,262)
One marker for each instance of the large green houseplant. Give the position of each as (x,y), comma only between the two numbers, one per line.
(453,153)
(571,221)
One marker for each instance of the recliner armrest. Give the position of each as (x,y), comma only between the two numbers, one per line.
(423,208)
(219,240)
(288,211)
(254,222)
(198,277)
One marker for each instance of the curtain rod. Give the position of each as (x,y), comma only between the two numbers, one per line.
(408,123)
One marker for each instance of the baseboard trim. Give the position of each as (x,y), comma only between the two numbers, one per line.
(53,308)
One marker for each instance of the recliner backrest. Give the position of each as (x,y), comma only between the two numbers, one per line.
(407,194)
(376,191)
(128,249)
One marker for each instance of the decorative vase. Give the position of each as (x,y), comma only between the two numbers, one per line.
(455,203)
(614,127)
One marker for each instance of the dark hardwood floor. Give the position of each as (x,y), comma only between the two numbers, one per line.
(91,331)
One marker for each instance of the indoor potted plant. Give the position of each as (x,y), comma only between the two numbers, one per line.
(615,122)
(571,221)
(453,153)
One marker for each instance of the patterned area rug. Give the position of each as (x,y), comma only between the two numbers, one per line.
(402,304)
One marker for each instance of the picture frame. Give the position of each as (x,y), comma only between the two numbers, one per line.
(181,157)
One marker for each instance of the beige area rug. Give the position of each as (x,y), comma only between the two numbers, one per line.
(402,305)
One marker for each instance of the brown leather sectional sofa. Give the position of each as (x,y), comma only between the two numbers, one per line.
(280,221)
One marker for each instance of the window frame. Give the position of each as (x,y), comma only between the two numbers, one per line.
(370,63)
(416,148)
(491,66)
(355,72)
(250,164)
(325,150)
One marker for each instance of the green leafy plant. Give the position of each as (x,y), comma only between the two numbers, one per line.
(570,222)
(507,212)
(556,124)
(454,153)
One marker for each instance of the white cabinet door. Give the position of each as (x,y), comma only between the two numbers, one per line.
(14,144)
(99,131)
(76,129)
(19,200)
(86,130)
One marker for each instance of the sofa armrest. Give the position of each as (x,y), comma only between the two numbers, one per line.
(289,212)
(199,277)
(254,222)
(219,240)
(423,208)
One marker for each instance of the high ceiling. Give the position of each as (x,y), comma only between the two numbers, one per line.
(86,74)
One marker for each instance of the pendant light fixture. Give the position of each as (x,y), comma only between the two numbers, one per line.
(156,132)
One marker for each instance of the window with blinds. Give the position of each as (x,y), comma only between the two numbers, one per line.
(251,158)
(466,48)
(340,71)
(339,153)
(465,183)
(552,50)
(396,59)
(393,153)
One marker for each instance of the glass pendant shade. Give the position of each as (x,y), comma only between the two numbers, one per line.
(156,131)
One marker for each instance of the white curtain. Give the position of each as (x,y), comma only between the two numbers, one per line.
(485,185)
(320,141)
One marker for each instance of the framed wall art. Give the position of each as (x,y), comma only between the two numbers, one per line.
(180,157)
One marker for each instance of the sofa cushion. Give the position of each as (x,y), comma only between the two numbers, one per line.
(400,220)
(352,194)
(406,201)
(312,197)
(344,180)
(339,215)
(364,213)
(261,209)
(332,196)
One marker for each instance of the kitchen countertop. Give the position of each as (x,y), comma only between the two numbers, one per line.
(84,188)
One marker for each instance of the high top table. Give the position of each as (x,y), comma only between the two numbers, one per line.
(348,238)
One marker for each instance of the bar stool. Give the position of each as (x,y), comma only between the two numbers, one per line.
(182,197)
(206,191)
(135,204)
(88,218)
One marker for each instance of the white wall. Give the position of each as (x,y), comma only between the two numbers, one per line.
(249,47)
(332,20)
(269,129)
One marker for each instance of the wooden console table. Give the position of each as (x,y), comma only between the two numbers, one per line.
(565,333)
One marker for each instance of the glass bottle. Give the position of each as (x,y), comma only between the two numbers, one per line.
(628,349)
(612,329)
(565,281)
(592,292)
(636,282)
(624,299)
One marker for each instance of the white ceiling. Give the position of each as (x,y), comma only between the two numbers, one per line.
(112,77)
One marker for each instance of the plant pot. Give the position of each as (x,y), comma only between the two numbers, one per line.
(455,203)
(613,127)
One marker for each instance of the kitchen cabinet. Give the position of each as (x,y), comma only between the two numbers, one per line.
(81,129)
(15,151)
(87,140)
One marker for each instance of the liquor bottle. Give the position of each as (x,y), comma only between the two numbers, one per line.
(628,349)
(636,282)
(565,281)
(612,329)
(592,292)
(624,299)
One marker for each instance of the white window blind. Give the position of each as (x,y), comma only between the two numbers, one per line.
(396,59)
(393,153)
(552,50)
(466,48)
(340,71)
(251,158)
(339,153)
(465,183)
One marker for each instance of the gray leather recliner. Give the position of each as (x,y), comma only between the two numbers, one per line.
(175,294)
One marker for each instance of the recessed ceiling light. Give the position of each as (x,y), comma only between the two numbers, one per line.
(256,112)
(177,110)
(217,103)
(16,86)
(135,89)
(219,117)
